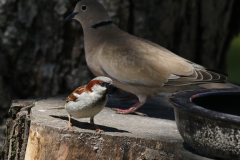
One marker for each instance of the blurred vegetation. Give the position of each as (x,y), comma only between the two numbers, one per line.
(233,61)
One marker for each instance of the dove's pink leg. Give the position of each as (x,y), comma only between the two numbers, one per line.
(132,109)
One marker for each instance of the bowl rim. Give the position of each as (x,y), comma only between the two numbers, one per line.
(183,100)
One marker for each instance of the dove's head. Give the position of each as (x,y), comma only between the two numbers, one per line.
(89,12)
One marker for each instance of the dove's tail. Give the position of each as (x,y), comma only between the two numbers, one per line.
(60,107)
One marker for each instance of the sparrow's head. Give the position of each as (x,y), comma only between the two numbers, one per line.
(89,12)
(100,85)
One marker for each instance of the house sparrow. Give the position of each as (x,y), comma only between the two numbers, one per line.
(135,65)
(88,100)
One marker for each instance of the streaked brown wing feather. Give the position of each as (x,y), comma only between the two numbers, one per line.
(72,97)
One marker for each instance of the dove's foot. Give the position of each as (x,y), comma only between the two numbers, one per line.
(127,111)
(133,109)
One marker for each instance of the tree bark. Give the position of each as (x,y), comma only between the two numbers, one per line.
(17,130)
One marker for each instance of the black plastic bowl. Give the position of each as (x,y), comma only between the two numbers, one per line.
(209,121)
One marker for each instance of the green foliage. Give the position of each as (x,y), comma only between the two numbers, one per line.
(233,61)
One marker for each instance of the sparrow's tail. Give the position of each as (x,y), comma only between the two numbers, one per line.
(60,107)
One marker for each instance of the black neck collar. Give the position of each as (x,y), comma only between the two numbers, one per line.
(100,24)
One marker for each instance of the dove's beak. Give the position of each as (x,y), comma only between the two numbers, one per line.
(71,16)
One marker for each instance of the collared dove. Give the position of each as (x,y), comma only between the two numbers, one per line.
(135,65)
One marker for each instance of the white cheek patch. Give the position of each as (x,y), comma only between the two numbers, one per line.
(98,89)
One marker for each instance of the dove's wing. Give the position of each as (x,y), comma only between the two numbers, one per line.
(140,62)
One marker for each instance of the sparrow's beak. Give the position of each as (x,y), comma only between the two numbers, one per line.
(71,16)
(112,85)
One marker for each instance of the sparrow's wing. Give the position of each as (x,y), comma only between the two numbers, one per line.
(141,62)
(72,96)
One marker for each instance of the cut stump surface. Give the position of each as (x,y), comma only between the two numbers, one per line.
(124,137)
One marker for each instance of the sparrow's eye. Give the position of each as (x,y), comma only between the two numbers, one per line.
(103,84)
(83,7)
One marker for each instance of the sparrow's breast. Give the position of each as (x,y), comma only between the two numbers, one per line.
(86,107)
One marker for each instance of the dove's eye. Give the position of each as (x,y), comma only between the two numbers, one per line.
(83,7)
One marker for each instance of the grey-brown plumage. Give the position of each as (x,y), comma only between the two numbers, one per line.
(135,65)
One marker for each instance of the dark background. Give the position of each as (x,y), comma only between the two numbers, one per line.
(40,54)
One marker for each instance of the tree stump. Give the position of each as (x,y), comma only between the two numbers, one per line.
(124,137)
